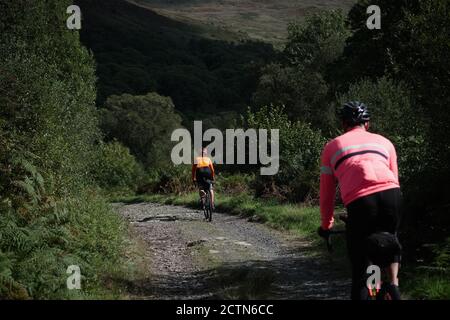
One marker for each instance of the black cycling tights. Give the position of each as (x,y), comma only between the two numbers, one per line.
(373,213)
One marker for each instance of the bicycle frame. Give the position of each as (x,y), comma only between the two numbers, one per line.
(206,204)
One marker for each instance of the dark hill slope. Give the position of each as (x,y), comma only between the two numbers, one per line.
(138,51)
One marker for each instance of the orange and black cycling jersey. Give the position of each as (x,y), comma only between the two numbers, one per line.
(202,162)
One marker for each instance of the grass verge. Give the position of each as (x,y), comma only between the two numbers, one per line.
(422,284)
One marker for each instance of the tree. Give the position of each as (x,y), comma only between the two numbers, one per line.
(423,62)
(303,94)
(368,53)
(144,124)
(299,81)
(317,42)
(48,91)
(300,149)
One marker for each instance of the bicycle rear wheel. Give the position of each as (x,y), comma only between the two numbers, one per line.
(204,207)
(208,206)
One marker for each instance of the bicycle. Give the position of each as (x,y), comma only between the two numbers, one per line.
(381,290)
(207,205)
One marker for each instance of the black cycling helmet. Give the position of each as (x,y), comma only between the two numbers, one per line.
(354,113)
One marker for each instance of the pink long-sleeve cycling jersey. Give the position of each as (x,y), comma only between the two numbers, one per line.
(362,163)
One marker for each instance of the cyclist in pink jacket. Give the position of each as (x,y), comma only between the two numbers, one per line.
(364,165)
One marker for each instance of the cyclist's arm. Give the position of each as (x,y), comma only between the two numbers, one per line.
(393,162)
(327,192)
(194,168)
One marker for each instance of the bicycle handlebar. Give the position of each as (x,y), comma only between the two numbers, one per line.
(343,217)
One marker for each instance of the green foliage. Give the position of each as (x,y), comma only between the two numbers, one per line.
(42,235)
(423,62)
(168,180)
(300,149)
(48,132)
(431,286)
(142,123)
(318,41)
(116,167)
(395,117)
(299,81)
(49,90)
(442,253)
(431,282)
(368,53)
(234,184)
(412,46)
(177,180)
(302,93)
(412,49)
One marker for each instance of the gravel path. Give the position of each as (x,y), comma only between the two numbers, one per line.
(228,258)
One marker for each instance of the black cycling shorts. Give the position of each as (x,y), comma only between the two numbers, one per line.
(204,178)
(375,213)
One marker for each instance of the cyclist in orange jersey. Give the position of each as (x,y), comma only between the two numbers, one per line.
(203,174)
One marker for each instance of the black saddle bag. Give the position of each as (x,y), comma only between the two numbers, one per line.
(383,248)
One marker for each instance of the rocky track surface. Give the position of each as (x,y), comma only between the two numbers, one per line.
(228,258)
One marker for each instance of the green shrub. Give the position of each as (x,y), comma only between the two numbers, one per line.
(299,81)
(42,235)
(318,41)
(168,180)
(144,124)
(300,149)
(116,167)
(234,184)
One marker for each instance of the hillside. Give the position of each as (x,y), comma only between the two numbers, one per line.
(261,20)
(138,51)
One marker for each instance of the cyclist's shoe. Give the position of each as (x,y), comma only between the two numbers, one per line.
(394,291)
(389,292)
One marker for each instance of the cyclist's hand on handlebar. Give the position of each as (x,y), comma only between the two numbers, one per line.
(323,233)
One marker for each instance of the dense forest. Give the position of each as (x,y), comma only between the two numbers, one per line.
(89,114)
(51,214)
(138,51)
